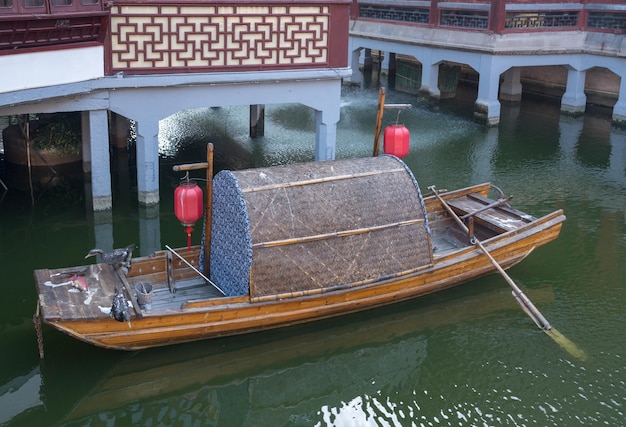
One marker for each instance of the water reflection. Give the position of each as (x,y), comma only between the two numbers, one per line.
(303,376)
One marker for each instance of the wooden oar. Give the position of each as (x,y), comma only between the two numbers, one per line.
(528,307)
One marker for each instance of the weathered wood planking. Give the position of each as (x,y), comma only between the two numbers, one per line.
(66,302)
(499,219)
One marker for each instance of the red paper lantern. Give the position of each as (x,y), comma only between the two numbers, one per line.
(397,140)
(188,206)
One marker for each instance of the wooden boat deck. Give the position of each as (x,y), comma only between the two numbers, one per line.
(446,238)
(72,303)
(96,302)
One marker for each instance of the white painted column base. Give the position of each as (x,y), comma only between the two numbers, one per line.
(430,79)
(574,99)
(325,139)
(487,105)
(357,76)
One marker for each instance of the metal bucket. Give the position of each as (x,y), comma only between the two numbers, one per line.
(144,295)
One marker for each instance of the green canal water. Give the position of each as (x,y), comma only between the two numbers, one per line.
(464,357)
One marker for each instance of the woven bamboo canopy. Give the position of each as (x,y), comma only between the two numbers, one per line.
(305,228)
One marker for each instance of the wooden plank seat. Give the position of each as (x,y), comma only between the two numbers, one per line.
(499,218)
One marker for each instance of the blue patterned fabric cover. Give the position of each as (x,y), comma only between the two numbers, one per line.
(231,242)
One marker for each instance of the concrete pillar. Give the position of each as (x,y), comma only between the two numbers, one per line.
(97,130)
(257,120)
(430,77)
(619,109)
(384,64)
(574,99)
(487,106)
(511,87)
(357,76)
(325,135)
(148,161)
(368,61)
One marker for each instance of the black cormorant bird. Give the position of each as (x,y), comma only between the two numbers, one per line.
(119,308)
(118,258)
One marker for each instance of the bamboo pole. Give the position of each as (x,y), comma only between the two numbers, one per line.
(344,233)
(320,180)
(528,307)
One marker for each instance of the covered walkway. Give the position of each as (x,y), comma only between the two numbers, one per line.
(497,40)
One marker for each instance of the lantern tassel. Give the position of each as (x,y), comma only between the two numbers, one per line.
(188,230)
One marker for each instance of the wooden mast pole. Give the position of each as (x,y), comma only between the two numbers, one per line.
(379,120)
(209,212)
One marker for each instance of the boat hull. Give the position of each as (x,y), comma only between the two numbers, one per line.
(223,316)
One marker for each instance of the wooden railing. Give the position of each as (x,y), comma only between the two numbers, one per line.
(499,16)
(225,35)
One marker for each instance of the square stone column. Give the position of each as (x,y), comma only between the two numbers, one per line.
(511,87)
(148,161)
(96,157)
(574,99)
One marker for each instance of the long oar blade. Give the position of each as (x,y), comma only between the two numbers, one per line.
(567,344)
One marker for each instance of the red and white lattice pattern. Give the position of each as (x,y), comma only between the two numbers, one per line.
(152,37)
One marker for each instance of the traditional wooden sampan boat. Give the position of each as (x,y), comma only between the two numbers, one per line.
(298,243)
